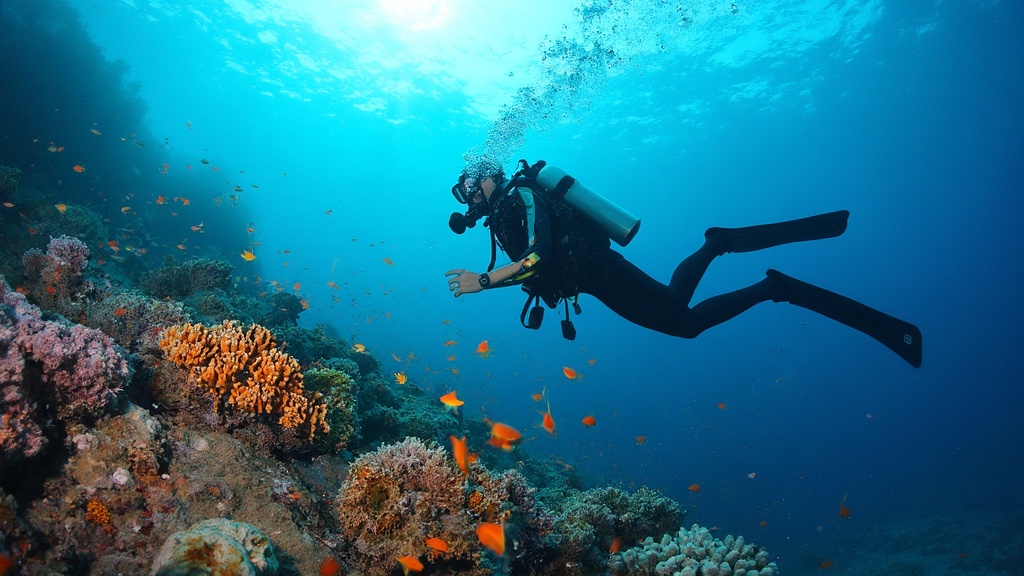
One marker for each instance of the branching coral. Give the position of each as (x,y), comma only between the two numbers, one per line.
(692,552)
(245,369)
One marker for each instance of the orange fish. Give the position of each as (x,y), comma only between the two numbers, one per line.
(483,350)
(5,562)
(570,373)
(161,200)
(113,246)
(410,564)
(248,256)
(333,285)
(62,208)
(400,377)
(438,544)
(120,312)
(844,512)
(451,358)
(297,286)
(451,402)
(694,488)
(825,565)
(640,440)
(50,290)
(589,420)
(548,422)
(461,453)
(359,348)
(78,168)
(8,205)
(450,343)
(616,545)
(762,523)
(388,261)
(330,567)
(721,405)
(492,536)
(538,396)
(503,436)
(592,361)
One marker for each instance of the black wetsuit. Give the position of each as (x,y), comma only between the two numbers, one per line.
(571,256)
(631,293)
(566,254)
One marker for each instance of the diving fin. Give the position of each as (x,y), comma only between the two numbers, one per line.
(751,238)
(901,337)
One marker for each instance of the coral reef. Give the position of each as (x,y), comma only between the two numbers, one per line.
(217,546)
(135,320)
(401,494)
(57,278)
(338,390)
(692,552)
(51,373)
(9,178)
(284,310)
(588,521)
(180,281)
(395,498)
(245,369)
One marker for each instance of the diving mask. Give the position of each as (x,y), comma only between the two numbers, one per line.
(465,190)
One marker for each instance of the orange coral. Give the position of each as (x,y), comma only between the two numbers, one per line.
(97,512)
(247,370)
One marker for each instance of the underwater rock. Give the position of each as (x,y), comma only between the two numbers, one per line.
(217,546)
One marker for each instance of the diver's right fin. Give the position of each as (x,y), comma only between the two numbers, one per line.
(901,337)
(751,238)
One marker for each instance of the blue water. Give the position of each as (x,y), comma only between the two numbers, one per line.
(908,114)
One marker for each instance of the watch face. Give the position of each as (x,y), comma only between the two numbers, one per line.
(485,280)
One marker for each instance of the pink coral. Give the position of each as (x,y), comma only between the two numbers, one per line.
(73,370)
(57,278)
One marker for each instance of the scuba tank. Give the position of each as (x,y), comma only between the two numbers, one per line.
(620,225)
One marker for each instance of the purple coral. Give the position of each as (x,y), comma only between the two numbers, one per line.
(58,274)
(73,369)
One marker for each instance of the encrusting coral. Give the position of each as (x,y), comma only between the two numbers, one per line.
(246,370)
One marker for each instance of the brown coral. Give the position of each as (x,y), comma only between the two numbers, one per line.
(245,369)
(396,497)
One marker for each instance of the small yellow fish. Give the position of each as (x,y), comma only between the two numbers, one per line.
(359,348)
(400,377)
(248,256)
(62,208)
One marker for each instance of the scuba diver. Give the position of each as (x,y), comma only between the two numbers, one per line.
(557,232)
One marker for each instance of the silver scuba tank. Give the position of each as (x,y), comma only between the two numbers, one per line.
(621,226)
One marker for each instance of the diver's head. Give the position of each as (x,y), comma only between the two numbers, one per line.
(474,188)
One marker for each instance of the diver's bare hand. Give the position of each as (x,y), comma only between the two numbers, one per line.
(463,281)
